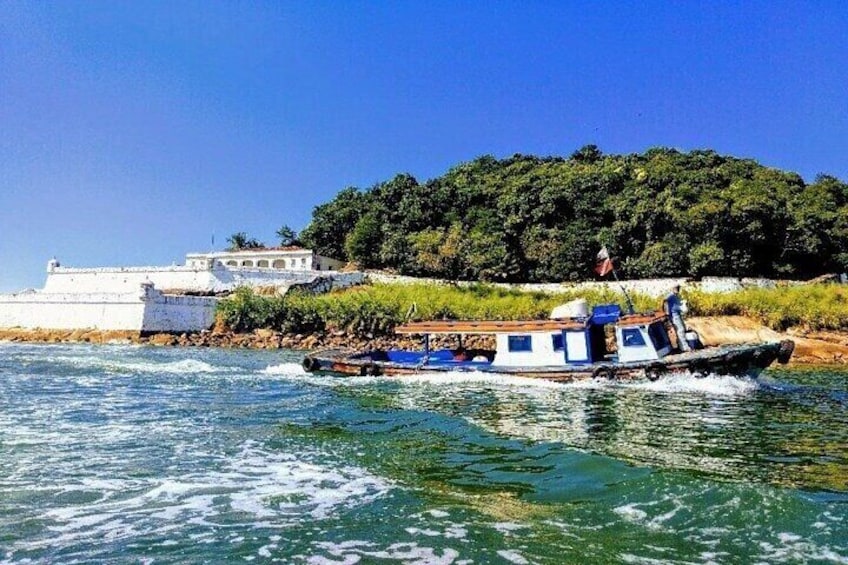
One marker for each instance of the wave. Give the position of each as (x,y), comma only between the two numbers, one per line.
(263,488)
(287,369)
(128,365)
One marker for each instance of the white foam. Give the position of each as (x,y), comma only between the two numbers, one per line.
(476,377)
(513,557)
(183,366)
(269,489)
(113,365)
(410,553)
(714,385)
(639,513)
(631,513)
(508,527)
(423,532)
(288,369)
(796,549)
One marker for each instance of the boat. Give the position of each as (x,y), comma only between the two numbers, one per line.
(606,344)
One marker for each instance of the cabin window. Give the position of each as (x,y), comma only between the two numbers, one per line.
(658,335)
(520,343)
(557,342)
(632,337)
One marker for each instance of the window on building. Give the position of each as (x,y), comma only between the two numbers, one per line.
(520,343)
(632,337)
(247,263)
(279,264)
(262,263)
(232,263)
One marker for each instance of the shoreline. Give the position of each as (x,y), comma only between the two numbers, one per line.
(811,348)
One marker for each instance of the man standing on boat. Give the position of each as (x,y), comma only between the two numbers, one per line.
(673,306)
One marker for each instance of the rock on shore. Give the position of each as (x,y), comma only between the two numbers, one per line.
(259,339)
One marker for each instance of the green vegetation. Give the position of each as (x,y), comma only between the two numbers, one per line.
(239,240)
(525,218)
(287,236)
(377,309)
(817,307)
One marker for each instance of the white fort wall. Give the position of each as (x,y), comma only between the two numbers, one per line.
(145,299)
(163,313)
(146,310)
(189,279)
(650,287)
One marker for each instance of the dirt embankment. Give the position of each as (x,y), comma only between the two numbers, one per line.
(810,348)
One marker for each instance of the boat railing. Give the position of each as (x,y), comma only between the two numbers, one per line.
(424,360)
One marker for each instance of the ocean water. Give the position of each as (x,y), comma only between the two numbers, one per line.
(129,454)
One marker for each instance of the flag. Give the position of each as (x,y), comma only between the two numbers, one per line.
(604,264)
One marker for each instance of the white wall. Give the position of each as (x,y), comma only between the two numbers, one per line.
(141,310)
(658,288)
(102,311)
(542,354)
(277,259)
(628,353)
(130,298)
(178,313)
(119,279)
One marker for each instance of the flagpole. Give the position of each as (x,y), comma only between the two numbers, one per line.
(603,255)
(624,290)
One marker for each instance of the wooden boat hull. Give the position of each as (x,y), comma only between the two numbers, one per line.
(736,360)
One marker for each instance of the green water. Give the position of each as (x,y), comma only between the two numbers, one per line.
(164,455)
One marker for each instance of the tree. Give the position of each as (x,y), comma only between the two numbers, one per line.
(538,219)
(333,221)
(239,240)
(364,241)
(287,236)
(588,153)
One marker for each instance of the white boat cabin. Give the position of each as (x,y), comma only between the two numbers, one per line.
(579,340)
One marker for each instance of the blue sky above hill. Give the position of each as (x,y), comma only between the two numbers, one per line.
(134,131)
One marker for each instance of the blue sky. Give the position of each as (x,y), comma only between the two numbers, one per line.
(131,132)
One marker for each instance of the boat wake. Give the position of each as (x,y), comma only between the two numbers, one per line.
(674,383)
(712,385)
(718,385)
(286,369)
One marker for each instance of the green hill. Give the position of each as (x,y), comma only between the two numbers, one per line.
(525,218)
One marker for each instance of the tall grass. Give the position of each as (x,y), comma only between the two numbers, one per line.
(376,309)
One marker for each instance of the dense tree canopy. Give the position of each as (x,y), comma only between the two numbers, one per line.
(525,218)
